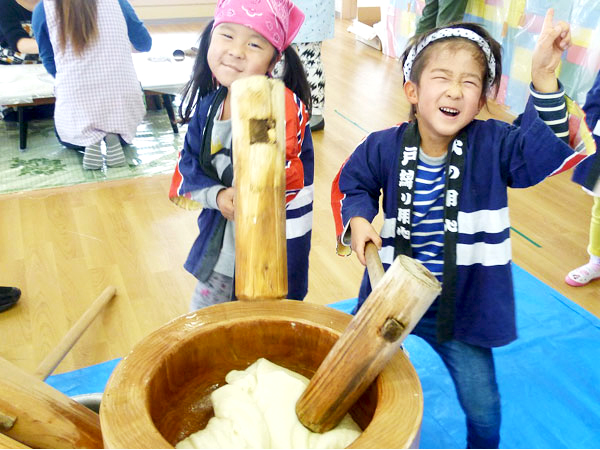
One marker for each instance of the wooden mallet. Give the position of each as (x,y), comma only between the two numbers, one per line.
(399,299)
(37,415)
(258,129)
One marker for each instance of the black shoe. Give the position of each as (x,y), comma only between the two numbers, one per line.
(9,296)
(316,123)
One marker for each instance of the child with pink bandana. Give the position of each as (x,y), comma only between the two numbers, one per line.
(246,37)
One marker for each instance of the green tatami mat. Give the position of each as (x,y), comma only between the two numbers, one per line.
(45,163)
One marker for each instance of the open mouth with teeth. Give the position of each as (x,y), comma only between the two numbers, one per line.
(449,111)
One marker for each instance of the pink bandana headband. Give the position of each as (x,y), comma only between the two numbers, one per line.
(278,21)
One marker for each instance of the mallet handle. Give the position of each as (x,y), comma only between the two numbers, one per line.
(374,266)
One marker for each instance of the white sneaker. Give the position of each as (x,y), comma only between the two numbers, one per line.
(583,275)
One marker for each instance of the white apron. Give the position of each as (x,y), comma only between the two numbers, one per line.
(96,92)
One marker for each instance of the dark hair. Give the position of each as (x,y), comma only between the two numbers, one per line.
(202,81)
(294,77)
(423,57)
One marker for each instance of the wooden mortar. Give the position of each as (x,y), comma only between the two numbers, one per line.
(159,394)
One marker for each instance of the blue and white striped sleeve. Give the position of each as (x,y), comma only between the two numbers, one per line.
(552,109)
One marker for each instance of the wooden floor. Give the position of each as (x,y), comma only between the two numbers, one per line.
(63,246)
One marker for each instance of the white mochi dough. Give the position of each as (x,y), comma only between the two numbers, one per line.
(257,409)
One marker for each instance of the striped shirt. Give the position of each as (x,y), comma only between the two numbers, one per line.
(554,116)
(427,236)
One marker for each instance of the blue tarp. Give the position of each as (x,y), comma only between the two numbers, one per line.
(88,380)
(549,378)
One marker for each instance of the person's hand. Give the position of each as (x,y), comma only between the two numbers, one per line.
(225,202)
(28,45)
(553,40)
(362,232)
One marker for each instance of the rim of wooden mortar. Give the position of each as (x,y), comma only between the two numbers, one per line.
(396,422)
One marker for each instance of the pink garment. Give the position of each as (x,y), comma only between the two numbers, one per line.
(278,21)
(96,92)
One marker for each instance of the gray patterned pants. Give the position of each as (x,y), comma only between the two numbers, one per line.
(217,289)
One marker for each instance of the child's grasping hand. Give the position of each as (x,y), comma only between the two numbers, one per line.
(362,232)
(554,39)
(225,203)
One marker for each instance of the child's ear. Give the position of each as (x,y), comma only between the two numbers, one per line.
(411,92)
(482,102)
(274,63)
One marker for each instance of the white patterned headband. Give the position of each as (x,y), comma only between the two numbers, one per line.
(452,32)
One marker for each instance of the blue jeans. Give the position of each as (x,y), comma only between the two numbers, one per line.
(472,370)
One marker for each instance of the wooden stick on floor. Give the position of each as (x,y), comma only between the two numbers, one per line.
(53,359)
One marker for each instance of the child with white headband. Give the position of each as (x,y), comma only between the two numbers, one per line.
(444,178)
(246,37)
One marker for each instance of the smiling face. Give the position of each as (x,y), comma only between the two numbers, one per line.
(448,95)
(236,52)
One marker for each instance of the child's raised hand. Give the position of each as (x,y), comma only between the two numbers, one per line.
(362,232)
(554,39)
(225,202)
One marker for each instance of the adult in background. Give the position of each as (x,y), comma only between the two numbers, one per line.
(437,13)
(86,45)
(317,27)
(17,45)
